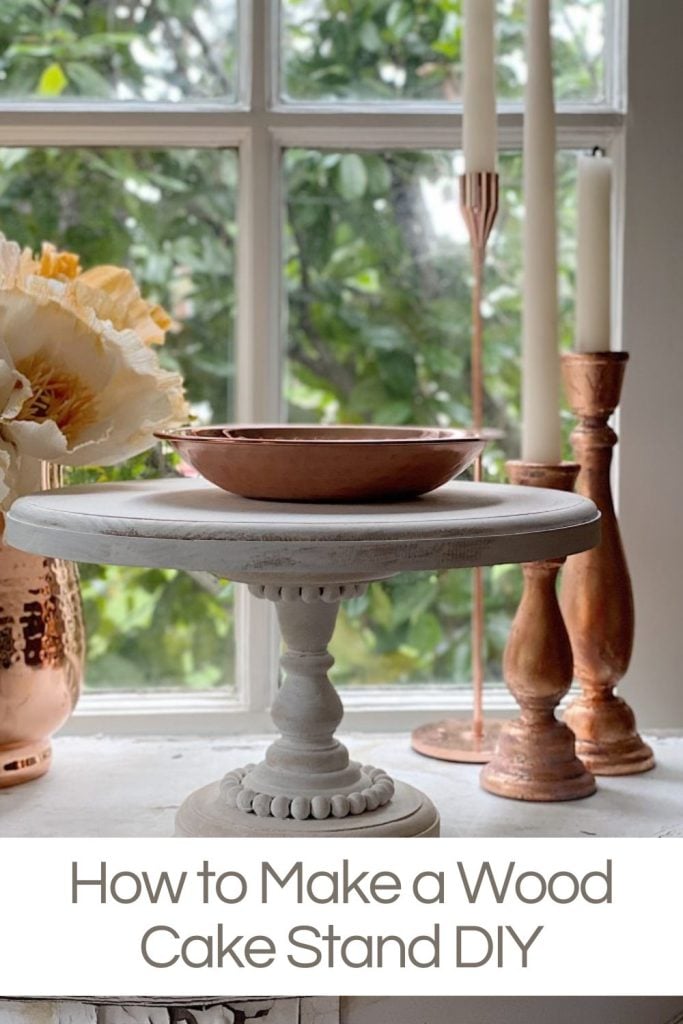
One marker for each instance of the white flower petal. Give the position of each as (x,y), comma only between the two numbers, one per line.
(14,388)
(38,440)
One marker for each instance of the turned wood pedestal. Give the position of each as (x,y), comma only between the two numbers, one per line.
(306,559)
(535,758)
(596,593)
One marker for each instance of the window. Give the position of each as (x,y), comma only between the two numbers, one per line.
(377,273)
(287,174)
(148,209)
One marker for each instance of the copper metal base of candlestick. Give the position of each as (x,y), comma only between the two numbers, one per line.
(455,739)
(596,594)
(536,758)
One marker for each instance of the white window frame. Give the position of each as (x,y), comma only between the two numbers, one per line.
(259,126)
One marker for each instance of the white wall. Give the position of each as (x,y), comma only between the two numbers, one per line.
(651,422)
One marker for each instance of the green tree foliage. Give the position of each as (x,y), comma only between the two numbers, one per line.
(378,277)
(164,50)
(376,267)
(379,285)
(169,216)
(411,49)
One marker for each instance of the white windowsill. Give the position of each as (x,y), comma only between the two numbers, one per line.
(214,713)
(133,786)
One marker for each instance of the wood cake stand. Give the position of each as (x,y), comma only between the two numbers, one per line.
(305,559)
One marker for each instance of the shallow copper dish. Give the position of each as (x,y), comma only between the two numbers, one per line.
(326,464)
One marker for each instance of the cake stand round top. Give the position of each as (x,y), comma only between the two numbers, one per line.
(189,524)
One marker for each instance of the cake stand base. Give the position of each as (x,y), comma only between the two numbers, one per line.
(454,739)
(205,813)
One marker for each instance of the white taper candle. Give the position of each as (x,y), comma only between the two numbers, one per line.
(479,86)
(541,436)
(593,291)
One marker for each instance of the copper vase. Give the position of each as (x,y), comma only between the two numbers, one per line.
(42,649)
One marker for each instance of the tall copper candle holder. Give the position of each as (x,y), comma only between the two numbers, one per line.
(453,739)
(596,594)
(535,758)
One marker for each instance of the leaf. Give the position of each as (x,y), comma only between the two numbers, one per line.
(90,83)
(398,412)
(397,370)
(379,176)
(53,81)
(370,37)
(425,633)
(380,605)
(352,177)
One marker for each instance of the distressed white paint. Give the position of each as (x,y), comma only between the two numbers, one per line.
(189,524)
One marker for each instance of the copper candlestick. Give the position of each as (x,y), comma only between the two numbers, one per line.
(453,739)
(596,595)
(535,758)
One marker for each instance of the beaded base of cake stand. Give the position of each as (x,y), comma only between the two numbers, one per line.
(306,559)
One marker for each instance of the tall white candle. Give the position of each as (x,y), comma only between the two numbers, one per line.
(593,254)
(541,437)
(479,86)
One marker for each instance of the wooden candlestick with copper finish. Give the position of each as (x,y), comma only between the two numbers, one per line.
(596,594)
(535,758)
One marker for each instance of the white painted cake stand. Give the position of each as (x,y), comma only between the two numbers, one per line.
(306,559)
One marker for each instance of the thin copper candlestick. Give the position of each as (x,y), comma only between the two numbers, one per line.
(452,739)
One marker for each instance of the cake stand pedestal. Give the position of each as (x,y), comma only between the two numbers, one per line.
(306,559)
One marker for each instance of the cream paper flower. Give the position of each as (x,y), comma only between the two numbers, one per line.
(114,295)
(55,263)
(74,389)
(110,291)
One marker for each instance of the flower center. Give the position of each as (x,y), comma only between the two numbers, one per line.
(57,395)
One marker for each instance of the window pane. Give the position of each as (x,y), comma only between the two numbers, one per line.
(410,50)
(170,217)
(378,282)
(150,50)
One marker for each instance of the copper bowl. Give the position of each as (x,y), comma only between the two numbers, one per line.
(326,464)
